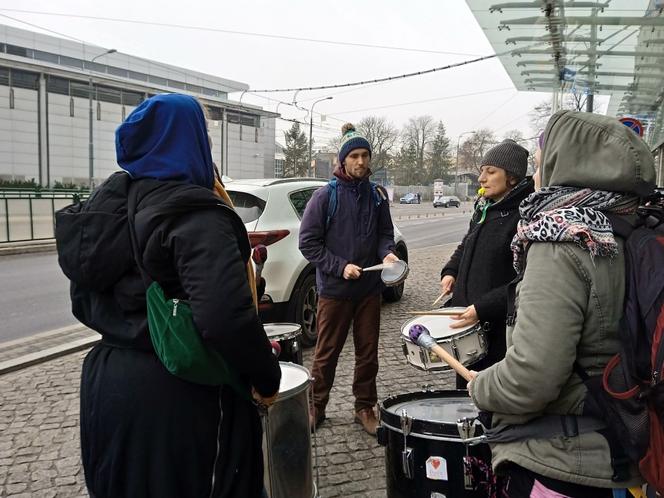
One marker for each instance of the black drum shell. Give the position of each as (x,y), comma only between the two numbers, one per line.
(453,450)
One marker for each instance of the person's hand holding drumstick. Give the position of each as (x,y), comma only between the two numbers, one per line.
(446,287)
(465,319)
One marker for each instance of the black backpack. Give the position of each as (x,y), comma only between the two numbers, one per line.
(629,396)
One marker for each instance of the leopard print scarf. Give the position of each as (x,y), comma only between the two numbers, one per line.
(570,214)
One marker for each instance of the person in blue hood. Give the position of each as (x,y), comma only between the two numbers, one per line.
(358,234)
(144,431)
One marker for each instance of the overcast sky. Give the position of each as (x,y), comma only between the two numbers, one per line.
(466,98)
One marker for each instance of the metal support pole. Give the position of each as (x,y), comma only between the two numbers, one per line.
(456,172)
(312,171)
(90,141)
(90,138)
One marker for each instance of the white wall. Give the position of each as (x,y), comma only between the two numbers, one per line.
(19,135)
(68,139)
(245,157)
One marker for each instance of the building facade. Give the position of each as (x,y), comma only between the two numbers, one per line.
(49,87)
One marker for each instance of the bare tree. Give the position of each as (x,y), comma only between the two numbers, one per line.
(382,136)
(418,134)
(541,113)
(515,135)
(473,149)
(334,144)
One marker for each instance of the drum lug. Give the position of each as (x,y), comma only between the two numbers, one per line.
(407,463)
(455,350)
(466,428)
(296,346)
(468,478)
(406,424)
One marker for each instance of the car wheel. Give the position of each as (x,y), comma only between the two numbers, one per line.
(305,307)
(394,294)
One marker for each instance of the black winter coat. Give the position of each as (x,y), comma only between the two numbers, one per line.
(145,432)
(482,266)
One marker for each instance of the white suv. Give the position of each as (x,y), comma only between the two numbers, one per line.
(271,210)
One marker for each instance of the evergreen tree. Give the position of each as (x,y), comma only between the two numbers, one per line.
(440,158)
(296,152)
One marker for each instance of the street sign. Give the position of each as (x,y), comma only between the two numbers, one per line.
(633,124)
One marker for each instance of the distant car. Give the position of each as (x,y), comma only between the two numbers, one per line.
(271,210)
(446,201)
(409,198)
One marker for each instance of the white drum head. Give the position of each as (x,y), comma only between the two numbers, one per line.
(394,273)
(294,379)
(438,326)
(279,330)
(435,409)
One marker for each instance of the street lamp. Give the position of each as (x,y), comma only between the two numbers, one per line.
(456,173)
(90,146)
(311,127)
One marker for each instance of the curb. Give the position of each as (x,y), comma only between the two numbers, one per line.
(425,216)
(47,354)
(13,248)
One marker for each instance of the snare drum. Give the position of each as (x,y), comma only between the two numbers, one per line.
(287,437)
(467,345)
(288,337)
(433,446)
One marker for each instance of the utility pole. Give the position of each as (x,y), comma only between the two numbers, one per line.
(90,137)
(311,130)
(456,173)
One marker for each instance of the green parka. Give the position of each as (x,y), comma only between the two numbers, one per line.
(568,308)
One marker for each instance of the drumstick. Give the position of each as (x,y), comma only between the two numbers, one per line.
(421,336)
(439,298)
(375,268)
(440,312)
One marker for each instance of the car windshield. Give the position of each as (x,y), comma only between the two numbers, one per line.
(248,206)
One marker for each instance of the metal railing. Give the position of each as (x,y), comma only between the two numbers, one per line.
(27,215)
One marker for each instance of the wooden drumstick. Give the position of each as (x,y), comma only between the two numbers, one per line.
(439,298)
(421,336)
(438,312)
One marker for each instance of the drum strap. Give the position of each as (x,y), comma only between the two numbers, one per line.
(544,427)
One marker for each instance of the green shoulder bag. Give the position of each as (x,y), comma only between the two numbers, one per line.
(175,338)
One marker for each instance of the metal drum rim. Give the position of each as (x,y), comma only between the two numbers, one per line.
(291,334)
(294,391)
(459,333)
(473,329)
(423,427)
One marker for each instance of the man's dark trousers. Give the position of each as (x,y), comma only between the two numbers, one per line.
(333,322)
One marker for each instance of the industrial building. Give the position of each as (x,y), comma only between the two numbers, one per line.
(61,101)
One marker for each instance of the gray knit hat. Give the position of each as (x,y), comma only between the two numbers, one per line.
(509,156)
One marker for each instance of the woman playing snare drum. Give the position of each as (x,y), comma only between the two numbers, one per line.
(481,267)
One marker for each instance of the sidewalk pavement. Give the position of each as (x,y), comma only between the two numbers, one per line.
(39,408)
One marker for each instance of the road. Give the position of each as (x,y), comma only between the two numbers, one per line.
(35,294)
